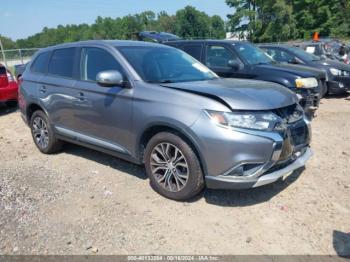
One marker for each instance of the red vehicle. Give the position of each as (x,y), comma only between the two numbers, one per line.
(8,87)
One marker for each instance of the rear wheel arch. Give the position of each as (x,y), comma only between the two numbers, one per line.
(31,109)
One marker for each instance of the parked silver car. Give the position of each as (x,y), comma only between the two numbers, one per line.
(156,105)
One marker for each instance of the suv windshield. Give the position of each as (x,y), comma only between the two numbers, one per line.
(165,65)
(303,54)
(252,54)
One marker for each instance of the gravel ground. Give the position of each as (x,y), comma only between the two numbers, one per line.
(84,202)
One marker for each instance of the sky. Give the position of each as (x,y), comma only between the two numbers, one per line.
(22,18)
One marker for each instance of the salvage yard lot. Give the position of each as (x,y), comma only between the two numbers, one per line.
(82,202)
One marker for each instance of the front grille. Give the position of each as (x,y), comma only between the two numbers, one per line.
(285,112)
(295,132)
(299,135)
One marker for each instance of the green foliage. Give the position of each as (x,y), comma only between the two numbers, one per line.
(282,20)
(7,42)
(187,23)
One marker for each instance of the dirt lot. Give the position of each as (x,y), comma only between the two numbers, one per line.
(81,202)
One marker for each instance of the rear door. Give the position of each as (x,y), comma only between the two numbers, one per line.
(57,88)
(103,115)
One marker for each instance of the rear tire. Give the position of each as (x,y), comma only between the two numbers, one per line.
(173,167)
(43,134)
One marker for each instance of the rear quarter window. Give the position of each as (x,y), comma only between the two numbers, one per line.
(193,50)
(62,62)
(40,63)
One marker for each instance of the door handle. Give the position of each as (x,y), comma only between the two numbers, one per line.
(81,96)
(42,89)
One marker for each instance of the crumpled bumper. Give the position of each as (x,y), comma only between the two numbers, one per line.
(230,182)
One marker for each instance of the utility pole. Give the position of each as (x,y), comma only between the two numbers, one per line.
(3,53)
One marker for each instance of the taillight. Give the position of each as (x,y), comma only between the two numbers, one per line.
(10,77)
(3,80)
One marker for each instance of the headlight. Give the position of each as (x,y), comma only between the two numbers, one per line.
(337,72)
(251,120)
(310,82)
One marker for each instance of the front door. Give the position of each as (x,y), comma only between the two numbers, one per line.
(103,115)
(217,58)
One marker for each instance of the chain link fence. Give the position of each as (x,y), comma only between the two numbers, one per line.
(13,57)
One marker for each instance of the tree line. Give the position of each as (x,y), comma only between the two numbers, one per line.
(283,20)
(187,22)
(258,20)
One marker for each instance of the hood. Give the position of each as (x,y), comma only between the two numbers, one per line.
(333,63)
(298,70)
(240,94)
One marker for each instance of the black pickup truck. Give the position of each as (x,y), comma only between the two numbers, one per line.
(236,59)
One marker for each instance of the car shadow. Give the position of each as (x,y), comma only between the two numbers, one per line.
(249,197)
(341,243)
(231,198)
(345,95)
(5,110)
(105,159)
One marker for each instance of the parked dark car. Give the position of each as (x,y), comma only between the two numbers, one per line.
(156,105)
(234,59)
(157,37)
(318,48)
(338,74)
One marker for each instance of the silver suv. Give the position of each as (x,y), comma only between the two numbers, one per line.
(155,105)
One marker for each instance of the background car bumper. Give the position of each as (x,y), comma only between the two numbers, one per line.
(225,182)
(340,86)
(8,94)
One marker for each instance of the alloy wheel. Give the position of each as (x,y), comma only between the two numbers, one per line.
(169,167)
(40,132)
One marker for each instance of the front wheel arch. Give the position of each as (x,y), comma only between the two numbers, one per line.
(151,131)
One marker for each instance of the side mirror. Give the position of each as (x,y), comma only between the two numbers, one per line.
(233,64)
(110,78)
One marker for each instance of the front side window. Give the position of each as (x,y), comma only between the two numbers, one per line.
(40,63)
(165,65)
(219,56)
(251,54)
(95,60)
(62,62)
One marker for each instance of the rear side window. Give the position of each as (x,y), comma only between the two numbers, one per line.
(194,51)
(95,60)
(62,62)
(40,63)
(2,70)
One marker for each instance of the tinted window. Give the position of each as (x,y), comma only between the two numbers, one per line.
(193,50)
(165,65)
(2,70)
(280,55)
(96,60)
(252,54)
(40,63)
(62,62)
(303,54)
(218,56)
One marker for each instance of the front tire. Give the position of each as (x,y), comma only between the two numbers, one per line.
(173,167)
(43,134)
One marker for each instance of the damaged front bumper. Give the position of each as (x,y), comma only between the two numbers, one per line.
(290,152)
